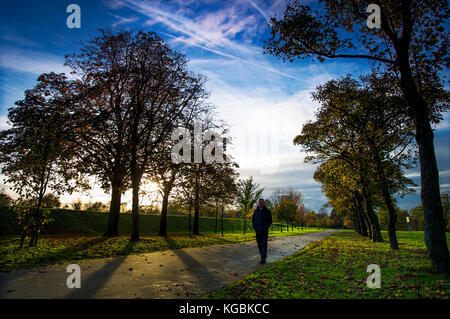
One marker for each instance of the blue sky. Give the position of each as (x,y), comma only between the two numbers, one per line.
(264,100)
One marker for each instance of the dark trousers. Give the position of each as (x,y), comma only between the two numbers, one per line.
(261,239)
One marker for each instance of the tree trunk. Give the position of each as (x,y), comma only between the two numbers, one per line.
(196,208)
(392,219)
(163,219)
(190,225)
(388,201)
(135,181)
(221,224)
(363,225)
(22,238)
(356,221)
(136,170)
(360,216)
(196,218)
(435,238)
(33,228)
(38,226)
(376,232)
(217,212)
(366,223)
(37,219)
(114,211)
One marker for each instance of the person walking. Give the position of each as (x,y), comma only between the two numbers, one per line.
(261,221)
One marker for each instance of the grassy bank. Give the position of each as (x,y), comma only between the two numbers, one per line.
(84,223)
(71,222)
(336,268)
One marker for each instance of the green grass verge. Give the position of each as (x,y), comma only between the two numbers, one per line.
(56,249)
(335,267)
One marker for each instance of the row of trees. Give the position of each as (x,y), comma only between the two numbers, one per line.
(114,121)
(286,204)
(361,138)
(408,52)
(50,200)
(414,215)
(288,208)
(417,219)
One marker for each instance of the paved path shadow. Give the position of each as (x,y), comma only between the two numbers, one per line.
(97,279)
(181,273)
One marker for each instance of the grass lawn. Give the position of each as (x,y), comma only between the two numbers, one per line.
(335,267)
(58,249)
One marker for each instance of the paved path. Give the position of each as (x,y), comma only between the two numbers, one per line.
(181,273)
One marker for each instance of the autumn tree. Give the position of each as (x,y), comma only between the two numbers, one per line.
(301,215)
(248,192)
(200,150)
(183,199)
(164,170)
(5,199)
(286,201)
(167,175)
(100,108)
(286,210)
(77,204)
(336,217)
(95,207)
(280,193)
(383,216)
(416,214)
(223,188)
(349,182)
(310,218)
(36,153)
(51,200)
(162,91)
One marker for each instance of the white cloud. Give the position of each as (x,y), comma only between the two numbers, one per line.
(4,123)
(263,126)
(28,61)
(444,173)
(17,39)
(412,175)
(445,124)
(122,20)
(113,4)
(214,31)
(417,174)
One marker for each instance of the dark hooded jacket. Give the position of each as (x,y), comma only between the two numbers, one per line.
(262,219)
